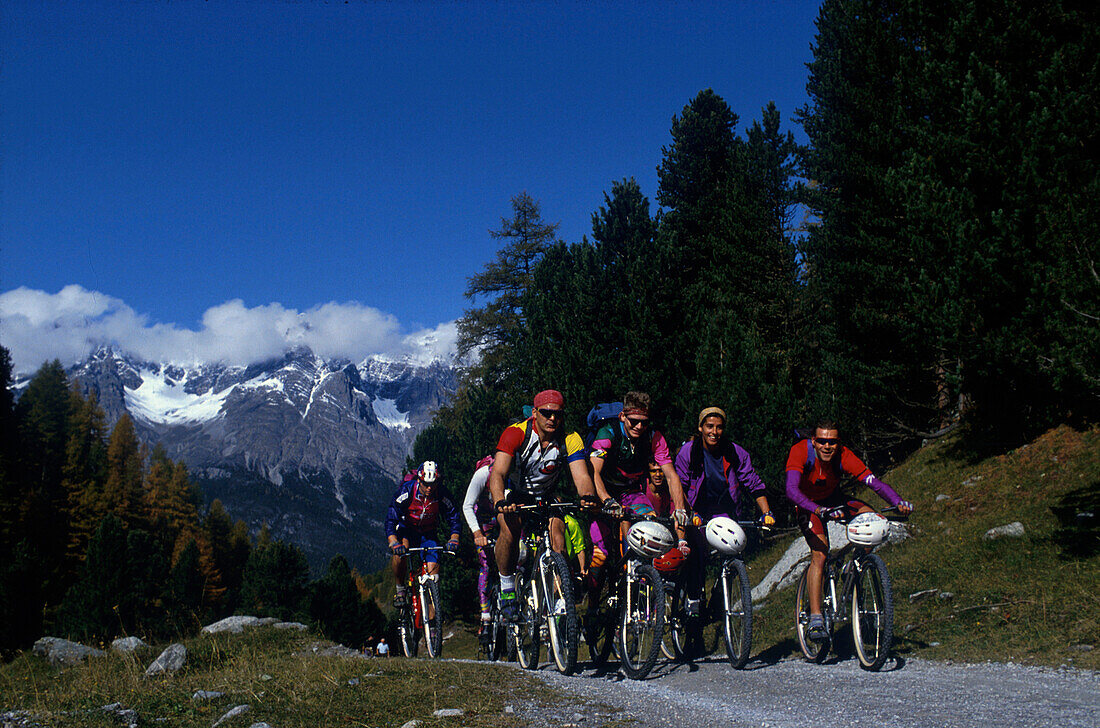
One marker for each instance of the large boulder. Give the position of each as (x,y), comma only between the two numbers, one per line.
(63,652)
(232,624)
(128,644)
(170,661)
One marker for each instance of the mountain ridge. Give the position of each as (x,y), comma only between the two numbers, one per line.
(312,447)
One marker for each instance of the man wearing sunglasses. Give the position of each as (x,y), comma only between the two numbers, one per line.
(814,470)
(532,455)
(620,457)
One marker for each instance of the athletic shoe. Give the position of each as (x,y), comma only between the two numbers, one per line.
(816,628)
(509,605)
(400,601)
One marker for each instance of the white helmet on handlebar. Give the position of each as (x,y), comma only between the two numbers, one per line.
(726,536)
(649,539)
(868,529)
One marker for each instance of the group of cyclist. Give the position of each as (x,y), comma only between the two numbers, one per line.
(627,466)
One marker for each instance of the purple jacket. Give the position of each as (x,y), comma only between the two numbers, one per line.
(741,476)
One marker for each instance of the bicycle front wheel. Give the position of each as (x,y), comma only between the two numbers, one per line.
(668,644)
(406,632)
(560,611)
(813,651)
(643,621)
(432,609)
(872,612)
(736,613)
(525,632)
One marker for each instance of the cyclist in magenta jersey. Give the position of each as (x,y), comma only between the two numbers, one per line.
(718,475)
(620,455)
(814,470)
(480,518)
(412,520)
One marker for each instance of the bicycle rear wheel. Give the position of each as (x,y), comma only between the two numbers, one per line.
(872,612)
(736,614)
(525,632)
(432,609)
(560,610)
(813,651)
(643,621)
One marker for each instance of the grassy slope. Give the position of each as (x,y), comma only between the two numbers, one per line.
(278,675)
(1025,600)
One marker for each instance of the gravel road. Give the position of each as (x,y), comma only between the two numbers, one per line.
(908,693)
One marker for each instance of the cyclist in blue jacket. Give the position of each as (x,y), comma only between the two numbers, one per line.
(412,520)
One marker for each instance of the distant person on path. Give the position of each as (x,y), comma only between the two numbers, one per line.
(814,469)
(412,520)
(382,649)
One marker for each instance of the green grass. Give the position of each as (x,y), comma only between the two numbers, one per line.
(279,676)
(1032,600)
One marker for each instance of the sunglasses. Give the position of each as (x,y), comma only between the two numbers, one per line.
(826,440)
(637,421)
(656,471)
(552,413)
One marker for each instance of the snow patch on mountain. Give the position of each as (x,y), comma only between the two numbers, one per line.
(161,400)
(387,413)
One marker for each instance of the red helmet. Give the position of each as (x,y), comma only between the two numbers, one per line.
(670,561)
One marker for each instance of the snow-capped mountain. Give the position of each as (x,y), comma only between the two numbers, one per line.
(312,447)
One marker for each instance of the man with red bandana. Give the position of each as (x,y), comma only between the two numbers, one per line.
(533,454)
(814,469)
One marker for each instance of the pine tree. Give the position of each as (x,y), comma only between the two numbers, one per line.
(84,474)
(276,582)
(336,608)
(494,327)
(185,613)
(41,505)
(124,488)
(171,500)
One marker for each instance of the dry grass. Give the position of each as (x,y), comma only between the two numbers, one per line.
(278,675)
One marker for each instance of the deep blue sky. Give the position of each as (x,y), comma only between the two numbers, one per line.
(175,156)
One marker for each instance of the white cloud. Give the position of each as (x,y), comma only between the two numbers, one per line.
(37,326)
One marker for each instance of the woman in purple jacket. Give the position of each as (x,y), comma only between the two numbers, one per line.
(714,470)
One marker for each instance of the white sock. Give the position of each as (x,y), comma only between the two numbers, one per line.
(507,583)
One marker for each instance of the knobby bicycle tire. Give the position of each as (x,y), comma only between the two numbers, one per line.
(642,622)
(498,635)
(813,651)
(432,611)
(560,611)
(525,632)
(669,647)
(736,611)
(872,612)
(407,633)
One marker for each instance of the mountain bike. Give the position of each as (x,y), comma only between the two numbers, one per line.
(423,611)
(729,605)
(632,617)
(545,592)
(855,586)
(496,645)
